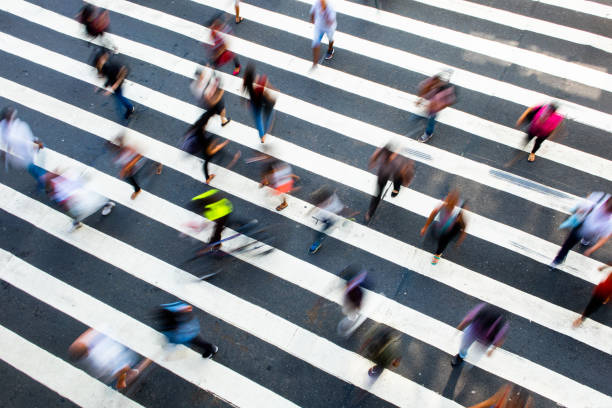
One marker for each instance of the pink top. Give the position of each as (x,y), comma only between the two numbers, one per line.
(542,126)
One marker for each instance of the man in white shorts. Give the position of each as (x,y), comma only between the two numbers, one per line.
(323,16)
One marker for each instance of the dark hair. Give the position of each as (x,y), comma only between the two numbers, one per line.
(553,106)
(249,77)
(87,12)
(8,113)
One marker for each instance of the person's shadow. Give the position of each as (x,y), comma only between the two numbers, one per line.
(451,383)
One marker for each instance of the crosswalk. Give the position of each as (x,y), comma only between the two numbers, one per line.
(274,317)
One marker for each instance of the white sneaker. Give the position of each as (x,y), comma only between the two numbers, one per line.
(585,242)
(108,208)
(424,137)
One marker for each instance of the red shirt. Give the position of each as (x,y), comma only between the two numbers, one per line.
(604,289)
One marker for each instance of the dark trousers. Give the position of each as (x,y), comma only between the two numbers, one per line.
(132,180)
(446,237)
(219,226)
(595,303)
(538,142)
(122,101)
(397,183)
(572,239)
(205,347)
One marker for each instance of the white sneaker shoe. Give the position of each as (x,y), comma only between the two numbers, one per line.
(108,208)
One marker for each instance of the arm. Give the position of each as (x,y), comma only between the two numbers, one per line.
(216,147)
(374,158)
(461,222)
(598,245)
(470,316)
(120,78)
(430,219)
(523,116)
(499,339)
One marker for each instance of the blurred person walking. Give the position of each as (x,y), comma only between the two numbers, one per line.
(219,53)
(178,323)
(543,122)
(96,21)
(601,295)
(435,93)
(107,360)
(448,222)
(484,324)
(206,88)
(391,166)
(323,16)
(279,176)
(214,206)
(19,146)
(590,223)
(356,278)
(328,208)
(508,396)
(261,101)
(115,73)
(383,348)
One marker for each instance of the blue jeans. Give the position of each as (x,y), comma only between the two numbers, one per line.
(37,173)
(263,118)
(122,101)
(431,122)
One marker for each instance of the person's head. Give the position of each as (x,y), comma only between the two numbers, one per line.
(452,198)
(9,114)
(87,12)
(100,59)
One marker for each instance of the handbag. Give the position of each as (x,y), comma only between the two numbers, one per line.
(576,219)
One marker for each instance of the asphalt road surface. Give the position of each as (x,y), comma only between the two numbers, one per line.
(274,316)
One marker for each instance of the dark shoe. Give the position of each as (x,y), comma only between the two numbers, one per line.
(226,122)
(394,193)
(315,247)
(456,360)
(211,355)
(129,112)
(330,54)
(374,371)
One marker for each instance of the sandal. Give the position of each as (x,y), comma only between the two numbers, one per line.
(209,179)
(239,20)
(394,193)
(531,157)
(435,260)
(236,71)
(135,194)
(281,206)
(226,122)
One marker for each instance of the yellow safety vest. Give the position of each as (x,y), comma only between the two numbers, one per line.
(217,209)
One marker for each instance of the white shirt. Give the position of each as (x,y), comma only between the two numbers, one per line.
(324,19)
(598,223)
(17,138)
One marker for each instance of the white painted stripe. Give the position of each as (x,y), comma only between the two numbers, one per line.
(54,373)
(492,231)
(489,290)
(582,6)
(514,368)
(342,124)
(207,374)
(317,351)
(425,66)
(518,21)
(595,78)
(374,91)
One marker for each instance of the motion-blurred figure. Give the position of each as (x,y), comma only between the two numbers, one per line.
(590,223)
(601,295)
(96,21)
(485,324)
(219,52)
(206,88)
(508,396)
(279,176)
(383,348)
(323,16)
(261,100)
(180,325)
(69,192)
(436,93)
(115,73)
(214,206)
(19,146)
(353,299)
(448,223)
(391,166)
(543,122)
(327,210)
(107,360)
(130,162)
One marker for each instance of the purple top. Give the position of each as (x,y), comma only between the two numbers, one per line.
(483,331)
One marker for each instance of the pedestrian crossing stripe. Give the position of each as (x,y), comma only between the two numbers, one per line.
(357,235)
(53,372)
(207,374)
(582,6)
(492,131)
(361,180)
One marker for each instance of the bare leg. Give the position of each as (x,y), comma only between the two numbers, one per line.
(315,55)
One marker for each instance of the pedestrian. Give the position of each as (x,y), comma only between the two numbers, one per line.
(198,141)
(115,73)
(356,277)
(19,146)
(209,94)
(383,348)
(436,93)
(96,21)
(591,224)
(107,360)
(180,326)
(130,162)
(448,223)
(214,206)
(391,166)
(237,8)
(327,209)
(261,101)
(484,324)
(219,52)
(508,396)
(279,176)
(323,16)
(543,122)
(601,295)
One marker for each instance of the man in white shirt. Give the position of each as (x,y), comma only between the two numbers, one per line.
(595,227)
(323,16)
